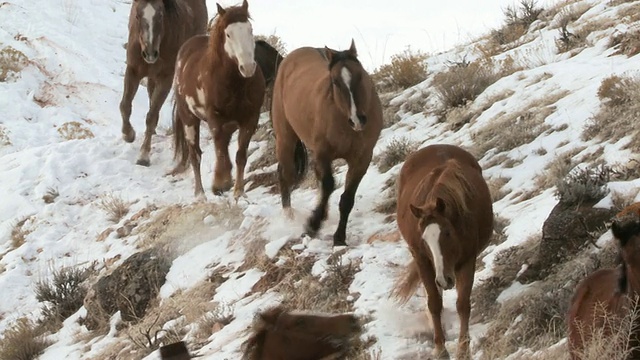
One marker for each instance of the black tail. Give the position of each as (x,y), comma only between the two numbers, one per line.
(301,161)
(180,146)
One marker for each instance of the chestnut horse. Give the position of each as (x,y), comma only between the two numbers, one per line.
(445,215)
(324,100)
(606,297)
(283,335)
(217,81)
(157,29)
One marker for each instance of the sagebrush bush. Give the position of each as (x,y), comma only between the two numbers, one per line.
(395,153)
(23,340)
(586,185)
(12,61)
(626,43)
(617,117)
(64,293)
(406,69)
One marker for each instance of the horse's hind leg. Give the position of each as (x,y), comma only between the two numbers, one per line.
(325,176)
(464,283)
(131,84)
(244,137)
(158,91)
(354,176)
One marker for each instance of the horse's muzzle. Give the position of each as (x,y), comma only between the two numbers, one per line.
(150,57)
(247,70)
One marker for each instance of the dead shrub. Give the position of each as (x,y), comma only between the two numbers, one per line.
(115,207)
(525,13)
(390,201)
(556,170)
(74,130)
(12,62)
(23,340)
(496,188)
(396,151)
(389,112)
(20,231)
(64,293)
(275,41)
(617,116)
(288,267)
(405,70)
(50,196)
(585,185)
(626,43)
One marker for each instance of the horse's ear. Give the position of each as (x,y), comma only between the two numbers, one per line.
(416,211)
(245,5)
(221,10)
(440,205)
(352,49)
(328,53)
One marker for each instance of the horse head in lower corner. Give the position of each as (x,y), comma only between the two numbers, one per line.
(280,334)
(605,304)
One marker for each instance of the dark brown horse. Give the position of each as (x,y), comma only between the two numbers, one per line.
(281,335)
(157,29)
(217,81)
(269,59)
(608,297)
(324,99)
(175,351)
(445,215)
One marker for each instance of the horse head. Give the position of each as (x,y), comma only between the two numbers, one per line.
(239,43)
(440,239)
(150,23)
(349,84)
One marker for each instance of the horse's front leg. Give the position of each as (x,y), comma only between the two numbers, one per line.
(131,83)
(464,283)
(158,91)
(222,174)
(325,176)
(244,137)
(354,176)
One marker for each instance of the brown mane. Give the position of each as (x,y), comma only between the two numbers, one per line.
(449,184)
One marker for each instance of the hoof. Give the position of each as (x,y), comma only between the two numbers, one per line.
(339,243)
(440,353)
(143,162)
(129,136)
(288,212)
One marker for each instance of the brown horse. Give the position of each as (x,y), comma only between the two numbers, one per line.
(217,81)
(157,29)
(281,335)
(324,99)
(606,297)
(175,351)
(445,215)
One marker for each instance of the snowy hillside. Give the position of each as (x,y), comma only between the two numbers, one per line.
(63,166)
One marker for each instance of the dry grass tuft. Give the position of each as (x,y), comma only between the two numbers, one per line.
(20,231)
(389,112)
(390,201)
(406,69)
(74,130)
(5,140)
(115,207)
(23,340)
(617,117)
(556,170)
(396,152)
(496,186)
(12,62)
(50,196)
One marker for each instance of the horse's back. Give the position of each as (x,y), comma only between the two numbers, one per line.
(305,63)
(594,293)
(198,16)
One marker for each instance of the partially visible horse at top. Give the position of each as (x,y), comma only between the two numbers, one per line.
(607,298)
(445,215)
(278,334)
(324,100)
(269,60)
(157,29)
(218,81)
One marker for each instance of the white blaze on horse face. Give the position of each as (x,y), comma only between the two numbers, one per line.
(240,45)
(147,16)
(346,77)
(431,236)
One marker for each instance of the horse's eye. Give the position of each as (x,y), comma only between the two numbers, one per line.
(228,36)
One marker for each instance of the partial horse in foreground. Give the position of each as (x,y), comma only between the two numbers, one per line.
(605,304)
(157,29)
(445,215)
(278,334)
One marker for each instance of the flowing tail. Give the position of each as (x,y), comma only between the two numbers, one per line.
(407,284)
(180,146)
(301,162)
